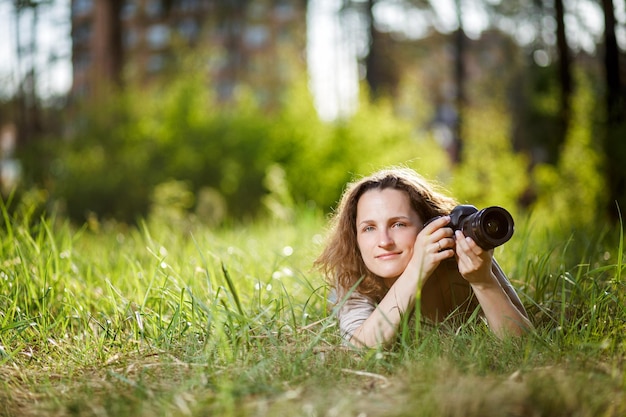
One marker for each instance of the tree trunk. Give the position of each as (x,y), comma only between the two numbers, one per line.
(459,81)
(371,60)
(117,51)
(565,72)
(28,107)
(381,63)
(611,64)
(108,58)
(615,139)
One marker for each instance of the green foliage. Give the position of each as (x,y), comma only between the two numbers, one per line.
(104,167)
(228,155)
(140,139)
(491,173)
(571,194)
(279,202)
(170,203)
(537,110)
(334,154)
(121,151)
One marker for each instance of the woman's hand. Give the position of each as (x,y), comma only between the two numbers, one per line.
(433,244)
(474,262)
(475,265)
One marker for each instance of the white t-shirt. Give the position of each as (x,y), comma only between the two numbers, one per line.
(353,312)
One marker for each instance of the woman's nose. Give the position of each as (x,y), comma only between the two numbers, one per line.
(385,239)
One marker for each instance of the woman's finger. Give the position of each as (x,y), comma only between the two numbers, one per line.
(436,224)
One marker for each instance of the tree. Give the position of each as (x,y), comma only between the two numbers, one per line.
(459,78)
(109,49)
(615,98)
(383,75)
(614,89)
(28,112)
(381,70)
(565,71)
(551,42)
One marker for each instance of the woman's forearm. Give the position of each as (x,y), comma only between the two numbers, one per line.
(503,316)
(382,325)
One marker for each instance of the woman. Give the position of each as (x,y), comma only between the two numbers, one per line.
(381,258)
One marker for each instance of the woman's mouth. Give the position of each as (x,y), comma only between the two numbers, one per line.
(388,255)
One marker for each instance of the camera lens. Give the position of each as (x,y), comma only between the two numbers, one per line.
(489,227)
(495,225)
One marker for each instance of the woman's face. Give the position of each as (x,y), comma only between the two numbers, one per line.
(386,228)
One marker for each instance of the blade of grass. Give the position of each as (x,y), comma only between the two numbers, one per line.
(233,290)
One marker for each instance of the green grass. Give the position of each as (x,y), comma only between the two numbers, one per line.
(177,319)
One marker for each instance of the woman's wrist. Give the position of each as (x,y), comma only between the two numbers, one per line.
(488,283)
(413,278)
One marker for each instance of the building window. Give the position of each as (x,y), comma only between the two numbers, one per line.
(188,28)
(284,11)
(158,36)
(255,36)
(129,10)
(81,7)
(154,8)
(189,5)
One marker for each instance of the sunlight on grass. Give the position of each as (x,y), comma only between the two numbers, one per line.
(183,319)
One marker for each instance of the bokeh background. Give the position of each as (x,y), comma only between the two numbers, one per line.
(227,110)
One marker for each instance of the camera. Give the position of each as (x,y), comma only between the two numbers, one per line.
(489,227)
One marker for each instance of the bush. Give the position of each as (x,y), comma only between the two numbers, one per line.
(122,150)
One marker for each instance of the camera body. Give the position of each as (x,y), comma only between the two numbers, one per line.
(489,227)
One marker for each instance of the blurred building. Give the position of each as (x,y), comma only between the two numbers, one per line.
(257,42)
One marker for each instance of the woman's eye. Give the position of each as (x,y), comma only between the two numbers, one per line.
(398,224)
(368,228)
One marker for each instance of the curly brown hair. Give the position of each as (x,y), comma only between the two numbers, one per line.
(341,260)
